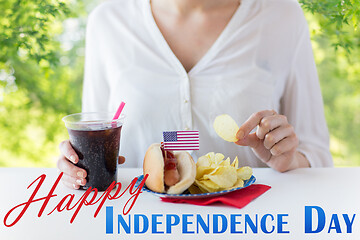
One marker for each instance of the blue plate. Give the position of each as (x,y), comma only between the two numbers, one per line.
(190,196)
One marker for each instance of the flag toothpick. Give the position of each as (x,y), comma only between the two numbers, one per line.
(181,140)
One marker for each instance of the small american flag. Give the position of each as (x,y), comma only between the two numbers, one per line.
(181,140)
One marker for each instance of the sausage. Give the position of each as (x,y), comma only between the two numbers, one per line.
(171,174)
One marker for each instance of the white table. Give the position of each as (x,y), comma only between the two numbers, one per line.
(336,191)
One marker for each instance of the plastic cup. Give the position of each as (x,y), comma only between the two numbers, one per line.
(96,139)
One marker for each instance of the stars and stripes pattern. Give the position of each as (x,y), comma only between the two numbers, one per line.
(181,140)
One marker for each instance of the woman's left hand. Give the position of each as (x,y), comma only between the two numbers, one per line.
(274,141)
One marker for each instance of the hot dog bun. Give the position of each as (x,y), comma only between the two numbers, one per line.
(154,166)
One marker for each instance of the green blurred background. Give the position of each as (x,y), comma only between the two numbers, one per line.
(41,71)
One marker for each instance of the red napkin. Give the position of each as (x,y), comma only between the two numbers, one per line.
(239,198)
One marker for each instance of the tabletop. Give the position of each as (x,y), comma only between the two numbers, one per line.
(317,203)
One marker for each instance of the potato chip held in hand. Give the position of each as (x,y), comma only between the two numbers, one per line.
(226,127)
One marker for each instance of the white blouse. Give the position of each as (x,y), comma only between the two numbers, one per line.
(262,60)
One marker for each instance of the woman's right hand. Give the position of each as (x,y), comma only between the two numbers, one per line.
(73,177)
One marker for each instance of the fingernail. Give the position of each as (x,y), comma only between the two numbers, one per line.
(72,158)
(81,174)
(78,181)
(240,134)
(75,187)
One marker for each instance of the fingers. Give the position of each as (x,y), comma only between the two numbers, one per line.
(274,141)
(73,177)
(270,123)
(275,136)
(251,140)
(285,145)
(70,169)
(252,122)
(67,150)
(72,182)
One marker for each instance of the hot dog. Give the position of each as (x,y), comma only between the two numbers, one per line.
(169,172)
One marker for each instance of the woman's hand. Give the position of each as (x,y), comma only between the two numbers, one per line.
(73,177)
(274,141)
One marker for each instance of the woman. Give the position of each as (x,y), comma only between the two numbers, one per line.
(180,63)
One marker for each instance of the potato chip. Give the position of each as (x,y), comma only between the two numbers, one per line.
(203,161)
(225,163)
(226,128)
(205,188)
(211,155)
(203,170)
(244,173)
(193,189)
(235,163)
(219,157)
(213,174)
(211,185)
(224,177)
(239,183)
(213,171)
